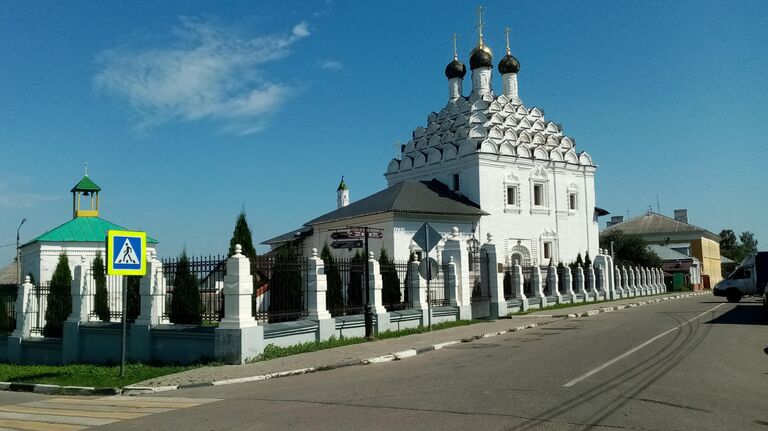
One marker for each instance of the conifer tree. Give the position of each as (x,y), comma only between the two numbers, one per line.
(186,306)
(285,287)
(579,260)
(101,296)
(390,293)
(133,301)
(334,299)
(242,235)
(587,260)
(59,299)
(355,294)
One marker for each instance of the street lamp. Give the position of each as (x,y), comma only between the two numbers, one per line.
(18,256)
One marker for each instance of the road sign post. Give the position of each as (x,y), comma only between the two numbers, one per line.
(427,238)
(127,256)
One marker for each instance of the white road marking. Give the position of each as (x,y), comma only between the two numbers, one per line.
(635,349)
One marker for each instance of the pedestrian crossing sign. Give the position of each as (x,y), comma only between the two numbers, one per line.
(126,252)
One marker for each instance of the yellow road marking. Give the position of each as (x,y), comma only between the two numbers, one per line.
(69,412)
(38,426)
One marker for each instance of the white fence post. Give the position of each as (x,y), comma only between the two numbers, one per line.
(592,287)
(553,282)
(580,287)
(536,285)
(489,274)
(23,320)
(238,336)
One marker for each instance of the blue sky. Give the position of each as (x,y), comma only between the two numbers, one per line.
(188,111)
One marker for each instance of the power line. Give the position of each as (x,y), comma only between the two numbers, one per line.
(8,245)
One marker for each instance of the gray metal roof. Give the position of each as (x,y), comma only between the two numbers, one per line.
(667,254)
(8,274)
(415,197)
(657,224)
(293,235)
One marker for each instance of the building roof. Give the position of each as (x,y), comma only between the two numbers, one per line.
(293,235)
(8,274)
(414,197)
(657,224)
(724,259)
(86,185)
(81,229)
(667,254)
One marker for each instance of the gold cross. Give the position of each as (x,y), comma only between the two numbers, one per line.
(455,51)
(480,23)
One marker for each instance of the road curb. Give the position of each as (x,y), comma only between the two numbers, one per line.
(389,357)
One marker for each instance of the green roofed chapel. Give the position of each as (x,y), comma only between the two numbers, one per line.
(81,237)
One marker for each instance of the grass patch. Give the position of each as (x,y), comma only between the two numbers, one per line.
(274,352)
(100,376)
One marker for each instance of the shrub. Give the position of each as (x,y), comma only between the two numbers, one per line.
(186,306)
(334,299)
(59,299)
(101,296)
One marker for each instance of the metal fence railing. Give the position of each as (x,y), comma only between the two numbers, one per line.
(206,275)
(280,288)
(105,301)
(439,295)
(346,286)
(38,306)
(395,278)
(7,309)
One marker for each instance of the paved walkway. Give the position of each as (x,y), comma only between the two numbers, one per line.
(381,350)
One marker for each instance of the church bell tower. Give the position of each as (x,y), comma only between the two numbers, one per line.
(80,193)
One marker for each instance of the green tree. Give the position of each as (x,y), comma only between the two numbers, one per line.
(242,235)
(334,299)
(286,287)
(630,249)
(748,243)
(355,295)
(101,296)
(133,300)
(186,306)
(390,292)
(59,305)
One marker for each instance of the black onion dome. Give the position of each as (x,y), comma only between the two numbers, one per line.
(509,64)
(481,57)
(455,69)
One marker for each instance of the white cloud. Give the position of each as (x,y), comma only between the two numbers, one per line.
(208,72)
(331,65)
(11,198)
(301,29)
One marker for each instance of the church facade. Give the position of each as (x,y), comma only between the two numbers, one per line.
(530,187)
(519,166)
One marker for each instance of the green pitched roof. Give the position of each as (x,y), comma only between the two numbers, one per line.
(81,229)
(86,185)
(342,185)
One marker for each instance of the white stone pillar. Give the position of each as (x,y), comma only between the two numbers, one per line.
(606,285)
(317,288)
(23,320)
(628,292)
(632,284)
(238,293)
(537,290)
(592,285)
(457,249)
(620,292)
(517,282)
(603,281)
(489,274)
(580,287)
(451,283)
(152,292)
(553,282)
(639,282)
(238,337)
(376,285)
(79,291)
(417,287)
(568,284)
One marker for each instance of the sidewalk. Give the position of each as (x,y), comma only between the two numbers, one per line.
(382,350)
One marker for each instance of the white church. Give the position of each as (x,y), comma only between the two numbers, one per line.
(484,163)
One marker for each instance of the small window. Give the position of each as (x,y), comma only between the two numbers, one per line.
(572,201)
(547,250)
(538,194)
(456,182)
(512,196)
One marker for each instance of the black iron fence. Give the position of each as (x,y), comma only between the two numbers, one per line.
(395,278)
(439,292)
(7,309)
(280,288)
(194,289)
(38,307)
(478,262)
(105,296)
(346,286)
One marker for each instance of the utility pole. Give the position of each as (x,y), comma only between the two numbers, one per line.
(18,256)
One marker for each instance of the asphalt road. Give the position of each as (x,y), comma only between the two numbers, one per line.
(695,363)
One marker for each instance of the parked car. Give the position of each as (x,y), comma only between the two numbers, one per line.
(749,278)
